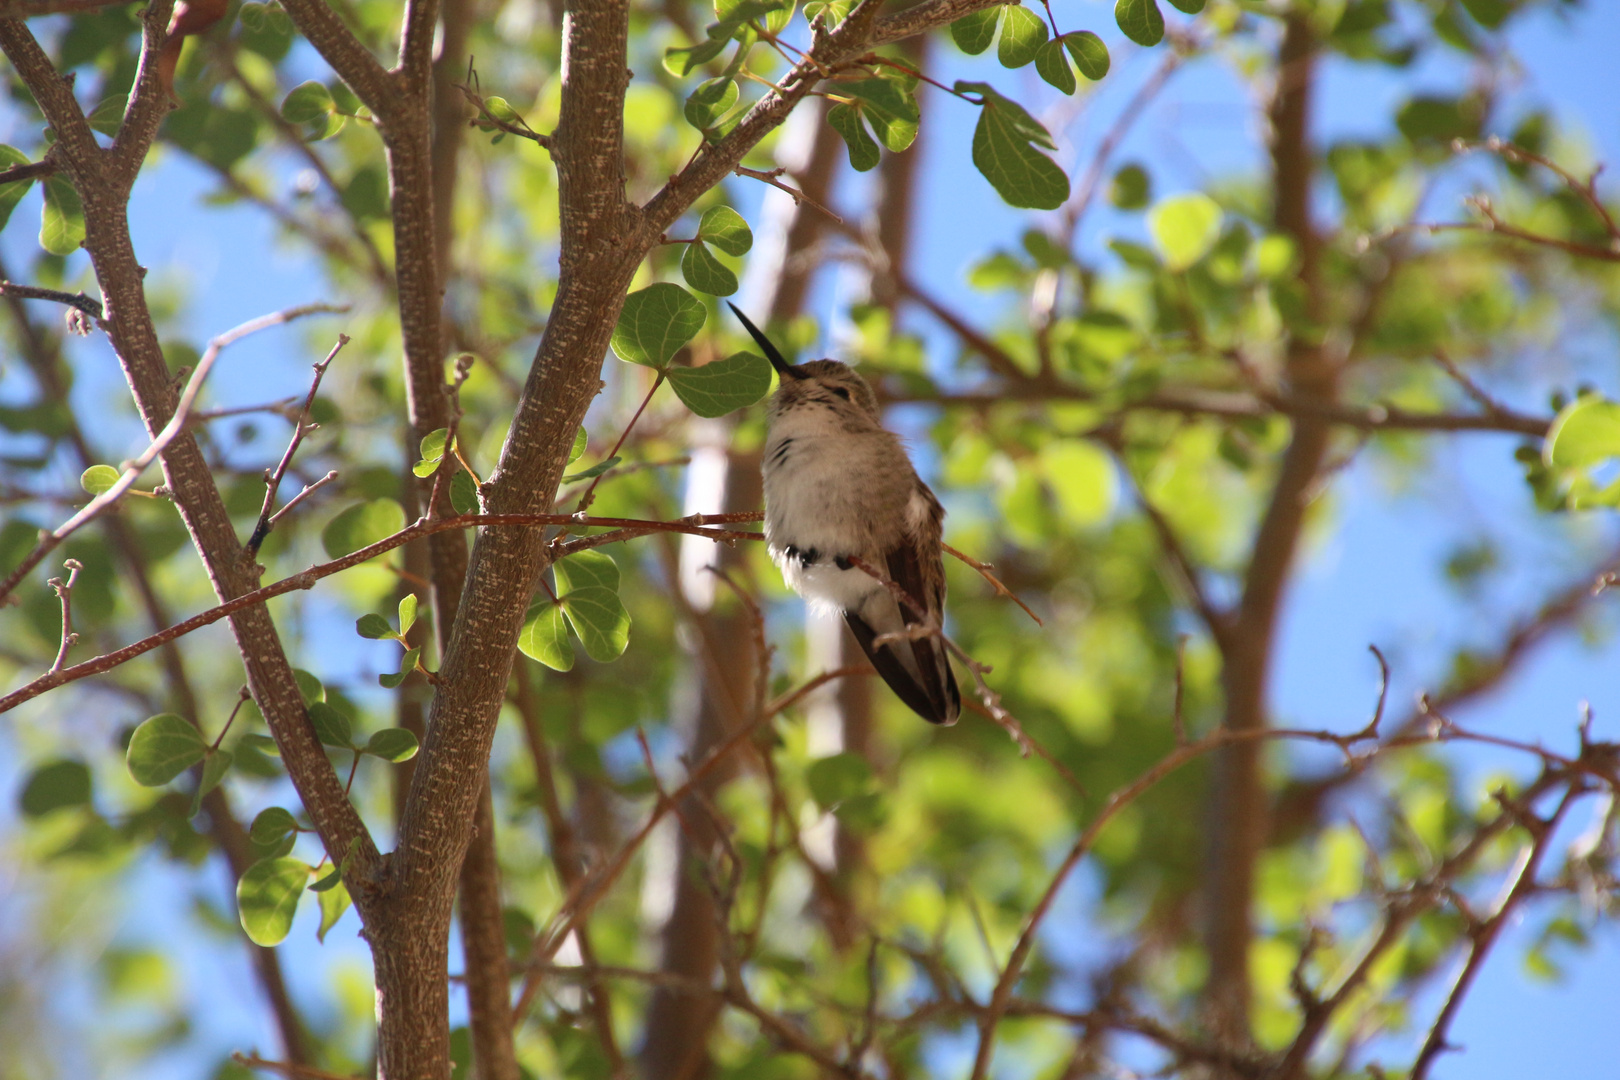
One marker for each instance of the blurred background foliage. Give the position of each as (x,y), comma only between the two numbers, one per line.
(1074,381)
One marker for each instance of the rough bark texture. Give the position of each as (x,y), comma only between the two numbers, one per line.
(1238,822)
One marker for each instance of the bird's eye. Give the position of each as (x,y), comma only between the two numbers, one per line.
(841,392)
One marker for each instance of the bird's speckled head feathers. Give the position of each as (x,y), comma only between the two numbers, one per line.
(827,384)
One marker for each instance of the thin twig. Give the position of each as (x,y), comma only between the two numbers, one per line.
(984,570)
(798,196)
(89,305)
(64,592)
(177,423)
(301,427)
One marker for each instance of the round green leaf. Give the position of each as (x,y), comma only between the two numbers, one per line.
(1141,20)
(599,620)
(309,686)
(710,101)
(392,744)
(722,386)
(267,898)
(407,664)
(581,440)
(863,151)
(99,478)
(1052,64)
(724,228)
(162,748)
(272,826)
(587,568)
(1184,228)
(1089,52)
(545,637)
(974,33)
(331,726)
(1131,189)
(655,323)
(360,525)
(464,494)
(1022,34)
(433,444)
(1585,432)
(705,273)
(836,778)
(307,102)
(407,612)
(373,626)
(54,786)
(1190,7)
(61,224)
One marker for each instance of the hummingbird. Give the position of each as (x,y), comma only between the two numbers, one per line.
(839,487)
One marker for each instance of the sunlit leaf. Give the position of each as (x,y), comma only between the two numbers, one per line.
(655,323)
(710,101)
(1585,432)
(1022,34)
(373,626)
(11,194)
(407,613)
(545,637)
(163,747)
(392,744)
(705,273)
(267,898)
(1007,145)
(61,227)
(600,621)
(1089,52)
(974,33)
(1141,21)
(361,525)
(724,228)
(863,150)
(334,902)
(98,479)
(722,386)
(1184,228)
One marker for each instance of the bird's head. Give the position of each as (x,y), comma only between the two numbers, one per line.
(816,383)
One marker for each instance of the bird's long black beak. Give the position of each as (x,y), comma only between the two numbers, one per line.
(783,368)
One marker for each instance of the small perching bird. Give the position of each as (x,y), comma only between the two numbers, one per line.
(840,488)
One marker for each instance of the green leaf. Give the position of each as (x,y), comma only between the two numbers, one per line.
(545,637)
(710,101)
(1022,35)
(361,525)
(681,61)
(1089,52)
(331,726)
(373,626)
(599,620)
(55,786)
(215,766)
(407,664)
(585,569)
(835,11)
(1052,64)
(11,194)
(267,898)
(722,386)
(705,273)
(1007,149)
(61,225)
(725,229)
(1184,228)
(889,108)
(836,778)
(392,744)
(334,902)
(594,471)
(99,478)
(309,686)
(655,323)
(464,494)
(1131,189)
(1141,21)
(163,747)
(974,33)
(863,151)
(407,613)
(581,440)
(307,102)
(1585,432)
(272,826)
(1190,7)
(433,445)
(108,115)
